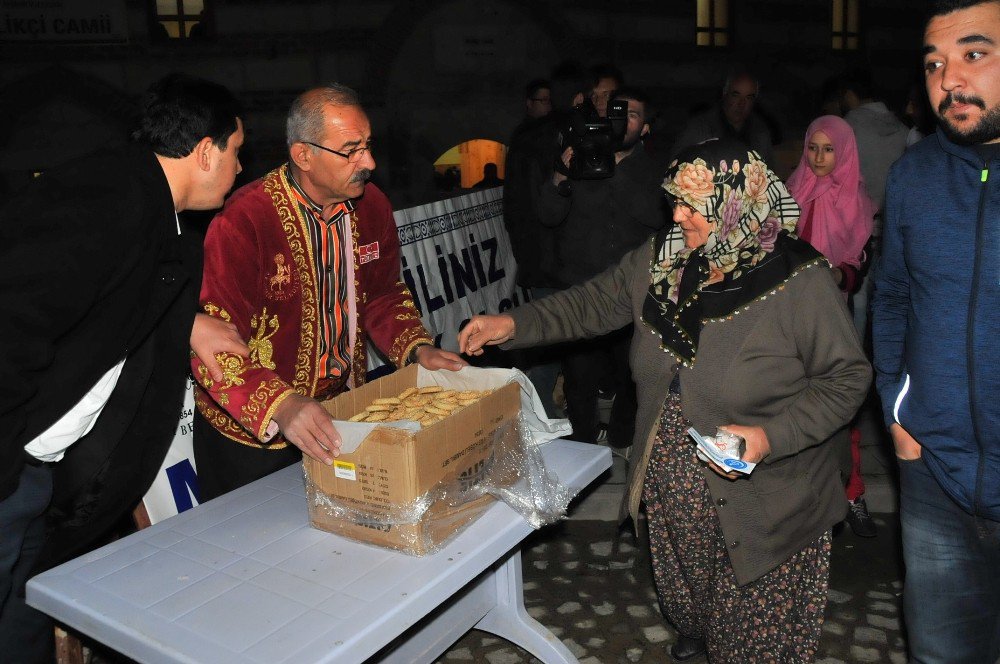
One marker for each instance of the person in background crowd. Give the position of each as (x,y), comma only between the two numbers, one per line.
(881,139)
(836,219)
(311,231)
(490,177)
(537,100)
(880,135)
(100,288)
(738,325)
(605,79)
(936,317)
(733,117)
(918,114)
(599,221)
(530,155)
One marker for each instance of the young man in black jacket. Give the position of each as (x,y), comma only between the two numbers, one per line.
(100,287)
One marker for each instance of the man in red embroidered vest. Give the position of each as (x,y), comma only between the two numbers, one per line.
(305,263)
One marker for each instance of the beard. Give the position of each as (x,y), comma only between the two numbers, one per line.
(629,142)
(984,131)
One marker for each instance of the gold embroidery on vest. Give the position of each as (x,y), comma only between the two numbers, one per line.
(404,343)
(232,366)
(216,311)
(276,185)
(281,282)
(221,421)
(259,401)
(261,349)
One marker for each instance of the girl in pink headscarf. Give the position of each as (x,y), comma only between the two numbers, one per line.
(836,219)
(836,212)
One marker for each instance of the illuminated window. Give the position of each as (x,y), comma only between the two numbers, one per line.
(473,164)
(713,23)
(180,19)
(846,28)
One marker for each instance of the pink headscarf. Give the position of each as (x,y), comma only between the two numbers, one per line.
(837,204)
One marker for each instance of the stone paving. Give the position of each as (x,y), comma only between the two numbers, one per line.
(600,601)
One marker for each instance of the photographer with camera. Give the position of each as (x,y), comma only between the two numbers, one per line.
(604,198)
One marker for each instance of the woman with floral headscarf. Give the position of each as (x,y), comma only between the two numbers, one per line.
(738,326)
(836,219)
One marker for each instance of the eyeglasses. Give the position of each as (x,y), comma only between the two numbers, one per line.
(541,100)
(352,156)
(681,206)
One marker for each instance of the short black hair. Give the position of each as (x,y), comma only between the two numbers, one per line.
(858,81)
(179,110)
(568,79)
(635,94)
(597,72)
(941,7)
(532,88)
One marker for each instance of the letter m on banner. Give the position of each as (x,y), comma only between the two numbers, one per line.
(175,488)
(183,484)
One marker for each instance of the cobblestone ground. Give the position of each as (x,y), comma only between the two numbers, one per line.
(600,601)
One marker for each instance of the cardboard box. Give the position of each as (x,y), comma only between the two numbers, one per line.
(411,490)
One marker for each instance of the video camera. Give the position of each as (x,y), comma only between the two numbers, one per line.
(594,140)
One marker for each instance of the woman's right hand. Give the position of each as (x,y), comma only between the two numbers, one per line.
(485,330)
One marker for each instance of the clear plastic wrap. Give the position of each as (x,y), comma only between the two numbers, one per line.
(505,464)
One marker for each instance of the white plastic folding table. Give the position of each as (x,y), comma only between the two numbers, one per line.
(244,578)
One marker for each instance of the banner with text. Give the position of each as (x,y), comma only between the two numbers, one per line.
(175,488)
(456,260)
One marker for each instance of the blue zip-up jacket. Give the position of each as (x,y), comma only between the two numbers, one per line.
(936,315)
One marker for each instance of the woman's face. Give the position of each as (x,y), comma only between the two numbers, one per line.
(695,226)
(820,153)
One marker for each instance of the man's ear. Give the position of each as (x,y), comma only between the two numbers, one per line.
(645,129)
(301,155)
(203,153)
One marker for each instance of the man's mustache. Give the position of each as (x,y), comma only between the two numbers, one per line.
(361,176)
(951,98)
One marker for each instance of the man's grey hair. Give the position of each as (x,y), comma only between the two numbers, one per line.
(305,117)
(737,74)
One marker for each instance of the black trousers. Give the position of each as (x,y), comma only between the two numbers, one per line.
(26,634)
(594,365)
(224,464)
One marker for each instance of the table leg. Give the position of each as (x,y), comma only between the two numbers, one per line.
(509,619)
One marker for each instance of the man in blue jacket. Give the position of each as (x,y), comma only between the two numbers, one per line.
(936,335)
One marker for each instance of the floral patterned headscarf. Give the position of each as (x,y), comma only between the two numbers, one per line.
(750,250)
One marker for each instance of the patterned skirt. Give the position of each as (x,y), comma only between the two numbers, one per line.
(776,618)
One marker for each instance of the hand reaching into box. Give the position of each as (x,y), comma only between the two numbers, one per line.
(485,330)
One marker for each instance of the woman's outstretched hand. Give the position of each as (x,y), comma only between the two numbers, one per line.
(485,330)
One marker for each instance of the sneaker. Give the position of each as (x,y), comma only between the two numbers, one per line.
(860,520)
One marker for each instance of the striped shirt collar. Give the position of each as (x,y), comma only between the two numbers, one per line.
(314,208)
